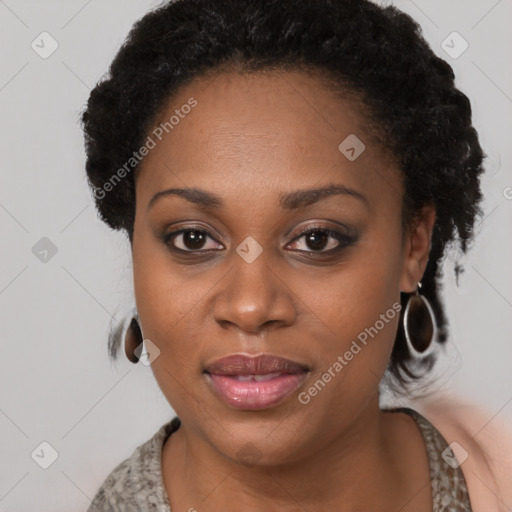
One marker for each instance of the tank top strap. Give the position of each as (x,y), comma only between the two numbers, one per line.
(449,490)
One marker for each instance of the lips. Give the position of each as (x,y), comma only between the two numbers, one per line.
(262,364)
(255,382)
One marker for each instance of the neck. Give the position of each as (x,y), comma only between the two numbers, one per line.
(360,469)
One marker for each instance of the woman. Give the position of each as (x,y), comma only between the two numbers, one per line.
(289,175)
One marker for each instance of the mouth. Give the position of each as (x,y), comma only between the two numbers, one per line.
(255,382)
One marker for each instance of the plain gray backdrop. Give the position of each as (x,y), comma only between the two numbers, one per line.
(64,276)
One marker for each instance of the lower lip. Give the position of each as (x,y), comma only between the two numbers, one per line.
(252,395)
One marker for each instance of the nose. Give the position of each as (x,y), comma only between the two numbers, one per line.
(253,297)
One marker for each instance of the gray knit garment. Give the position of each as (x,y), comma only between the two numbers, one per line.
(136,484)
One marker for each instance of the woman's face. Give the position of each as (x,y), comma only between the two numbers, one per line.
(242,279)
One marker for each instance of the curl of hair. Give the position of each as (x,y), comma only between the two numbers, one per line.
(377,53)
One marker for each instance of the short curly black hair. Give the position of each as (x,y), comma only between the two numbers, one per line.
(376,53)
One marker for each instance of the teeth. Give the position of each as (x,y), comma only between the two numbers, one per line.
(269,376)
(257,378)
(244,377)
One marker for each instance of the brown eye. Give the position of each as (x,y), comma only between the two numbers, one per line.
(316,239)
(188,240)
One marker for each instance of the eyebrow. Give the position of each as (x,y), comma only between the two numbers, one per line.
(289,201)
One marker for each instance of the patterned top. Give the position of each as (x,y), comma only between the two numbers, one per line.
(136,484)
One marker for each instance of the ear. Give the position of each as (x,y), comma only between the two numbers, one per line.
(416,249)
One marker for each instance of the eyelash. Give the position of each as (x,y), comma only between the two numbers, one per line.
(344,240)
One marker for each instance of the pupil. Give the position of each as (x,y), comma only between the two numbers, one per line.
(317,238)
(194,240)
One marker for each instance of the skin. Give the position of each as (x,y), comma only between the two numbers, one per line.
(250,139)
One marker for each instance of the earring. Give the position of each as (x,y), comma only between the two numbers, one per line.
(419,326)
(133,340)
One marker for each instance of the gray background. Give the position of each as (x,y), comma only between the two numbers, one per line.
(57,383)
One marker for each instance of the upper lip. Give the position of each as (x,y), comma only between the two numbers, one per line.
(262,364)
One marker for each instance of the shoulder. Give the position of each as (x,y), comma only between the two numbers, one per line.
(112,495)
(136,483)
(485,449)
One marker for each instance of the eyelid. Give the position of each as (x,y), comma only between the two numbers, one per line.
(327,228)
(343,239)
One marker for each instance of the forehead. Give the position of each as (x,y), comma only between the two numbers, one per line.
(264,130)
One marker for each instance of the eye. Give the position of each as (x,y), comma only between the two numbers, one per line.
(317,239)
(189,239)
(193,240)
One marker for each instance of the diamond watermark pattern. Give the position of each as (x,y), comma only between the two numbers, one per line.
(454,455)
(44,455)
(352,147)
(454,45)
(249,249)
(44,250)
(44,45)
(147,352)
(249,454)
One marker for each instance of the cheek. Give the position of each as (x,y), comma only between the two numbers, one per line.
(161,290)
(366,286)
(167,304)
(358,309)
